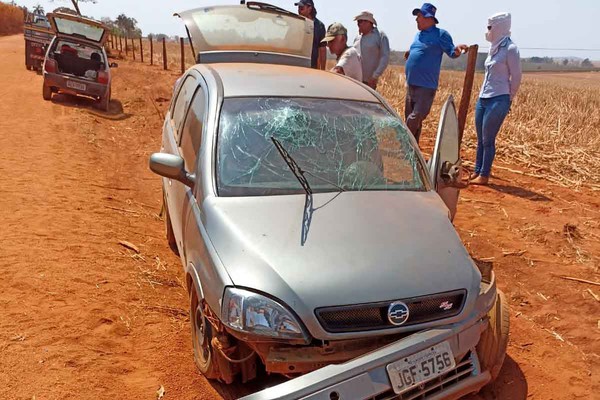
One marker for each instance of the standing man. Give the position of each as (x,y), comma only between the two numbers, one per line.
(424,60)
(373,47)
(348,60)
(306,8)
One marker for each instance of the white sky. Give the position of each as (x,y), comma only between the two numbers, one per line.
(556,24)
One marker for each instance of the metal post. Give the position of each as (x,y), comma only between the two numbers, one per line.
(465,100)
(151,50)
(164,53)
(181,48)
(141,50)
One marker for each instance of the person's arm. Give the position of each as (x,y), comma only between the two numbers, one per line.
(338,70)
(448,45)
(513,59)
(384,59)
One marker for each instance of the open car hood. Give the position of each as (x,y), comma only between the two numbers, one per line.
(67,25)
(254,32)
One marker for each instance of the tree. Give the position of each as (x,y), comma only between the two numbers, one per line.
(76,4)
(565,62)
(587,63)
(127,25)
(39,10)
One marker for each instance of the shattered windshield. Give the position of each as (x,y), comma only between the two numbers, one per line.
(339,145)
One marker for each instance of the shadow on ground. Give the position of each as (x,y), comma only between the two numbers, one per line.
(115,108)
(519,192)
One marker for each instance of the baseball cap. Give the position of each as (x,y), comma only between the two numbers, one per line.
(427,10)
(305,3)
(334,30)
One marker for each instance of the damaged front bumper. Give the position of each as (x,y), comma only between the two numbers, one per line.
(366,377)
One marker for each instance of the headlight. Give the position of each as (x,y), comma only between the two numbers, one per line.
(250,312)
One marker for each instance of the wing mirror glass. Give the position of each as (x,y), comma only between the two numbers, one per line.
(172,167)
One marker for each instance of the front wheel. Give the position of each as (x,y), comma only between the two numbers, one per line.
(492,345)
(201,339)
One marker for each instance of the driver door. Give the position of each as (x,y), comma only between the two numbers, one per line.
(445,165)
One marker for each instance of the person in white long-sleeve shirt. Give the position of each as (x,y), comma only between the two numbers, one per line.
(348,59)
(374,48)
(500,86)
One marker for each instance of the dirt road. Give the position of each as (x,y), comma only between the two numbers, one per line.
(83,316)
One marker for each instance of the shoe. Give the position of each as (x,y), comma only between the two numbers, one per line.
(480,180)
(474,175)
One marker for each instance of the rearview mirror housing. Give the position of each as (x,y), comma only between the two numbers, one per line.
(172,167)
(113,65)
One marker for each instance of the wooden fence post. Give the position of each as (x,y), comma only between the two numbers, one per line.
(182,55)
(465,100)
(164,53)
(133,48)
(141,50)
(120,43)
(126,46)
(151,50)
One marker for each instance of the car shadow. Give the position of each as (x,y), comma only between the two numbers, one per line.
(519,192)
(115,108)
(510,384)
(238,389)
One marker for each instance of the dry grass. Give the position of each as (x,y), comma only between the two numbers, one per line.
(11,19)
(553,130)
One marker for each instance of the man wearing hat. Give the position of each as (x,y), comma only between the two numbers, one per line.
(373,47)
(348,59)
(306,8)
(423,64)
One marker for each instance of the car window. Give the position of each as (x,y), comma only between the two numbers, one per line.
(191,134)
(183,101)
(352,145)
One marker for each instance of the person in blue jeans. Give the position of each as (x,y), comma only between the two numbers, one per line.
(500,85)
(423,64)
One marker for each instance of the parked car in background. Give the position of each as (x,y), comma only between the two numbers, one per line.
(38,35)
(76,61)
(316,241)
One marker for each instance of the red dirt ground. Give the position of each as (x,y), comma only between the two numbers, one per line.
(83,317)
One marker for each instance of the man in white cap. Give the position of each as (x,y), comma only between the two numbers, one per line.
(348,59)
(373,47)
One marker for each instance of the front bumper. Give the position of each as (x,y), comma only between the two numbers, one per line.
(366,377)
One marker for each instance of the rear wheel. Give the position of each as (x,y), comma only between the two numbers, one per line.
(104,101)
(491,348)
(46,92)
(201,339)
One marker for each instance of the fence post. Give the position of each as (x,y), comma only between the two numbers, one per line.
(141,50)
(133,48)
(120,44)
(126,47)
(182,55)
(151,50)
(164,54)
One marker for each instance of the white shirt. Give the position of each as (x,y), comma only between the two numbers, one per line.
(350,62)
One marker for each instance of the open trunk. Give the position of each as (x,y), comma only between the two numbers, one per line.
(79,60)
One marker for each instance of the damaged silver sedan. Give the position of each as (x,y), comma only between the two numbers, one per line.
(316,241)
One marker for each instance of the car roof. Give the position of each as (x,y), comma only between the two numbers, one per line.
(260,80)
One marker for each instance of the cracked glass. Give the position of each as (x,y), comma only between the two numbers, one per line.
(339,145)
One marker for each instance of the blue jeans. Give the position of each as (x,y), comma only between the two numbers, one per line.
(489,116)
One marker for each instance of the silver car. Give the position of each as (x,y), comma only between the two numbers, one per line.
(316,241)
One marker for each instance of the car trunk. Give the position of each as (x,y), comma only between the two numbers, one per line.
(80,61)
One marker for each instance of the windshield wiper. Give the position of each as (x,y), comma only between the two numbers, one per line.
(293,165)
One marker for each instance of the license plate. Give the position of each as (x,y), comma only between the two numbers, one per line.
(75,85)
(421,367)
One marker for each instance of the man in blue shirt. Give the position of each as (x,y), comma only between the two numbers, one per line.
(306,8)
(423,64)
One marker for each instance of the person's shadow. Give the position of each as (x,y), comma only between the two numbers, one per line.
(519,192)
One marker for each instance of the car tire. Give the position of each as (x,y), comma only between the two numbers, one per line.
(492,345)
(47,92)
(201,339)
(104,102)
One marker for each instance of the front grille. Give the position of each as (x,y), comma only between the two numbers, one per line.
(464,369)
(373,316)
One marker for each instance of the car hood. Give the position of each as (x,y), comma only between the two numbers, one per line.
(361,247)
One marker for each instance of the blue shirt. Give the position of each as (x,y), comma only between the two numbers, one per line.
(318,35)
(502,71)
(425,59)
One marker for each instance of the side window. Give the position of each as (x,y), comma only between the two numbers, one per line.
(183,101)
(191,135)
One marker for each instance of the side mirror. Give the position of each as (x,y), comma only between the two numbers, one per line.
(172,167)
(113,65)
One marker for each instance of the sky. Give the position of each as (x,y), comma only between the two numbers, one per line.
(549,24)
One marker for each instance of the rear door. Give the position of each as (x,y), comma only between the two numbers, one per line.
(67,25)
(445,164)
